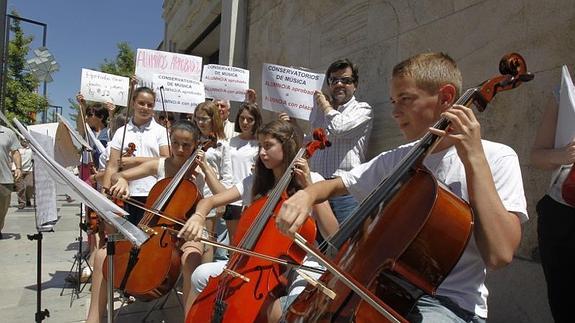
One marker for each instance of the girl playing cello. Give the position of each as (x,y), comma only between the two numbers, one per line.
(278,146)
(184,139)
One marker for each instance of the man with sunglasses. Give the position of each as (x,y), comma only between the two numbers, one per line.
(348,124)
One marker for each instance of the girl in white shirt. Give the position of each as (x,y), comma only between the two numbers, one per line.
(243,154)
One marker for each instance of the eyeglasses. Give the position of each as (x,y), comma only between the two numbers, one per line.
(344,80)
(203,120)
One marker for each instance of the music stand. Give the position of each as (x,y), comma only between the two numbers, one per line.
(107,210)
(79,257)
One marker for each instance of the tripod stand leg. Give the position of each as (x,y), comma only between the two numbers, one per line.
(40,315)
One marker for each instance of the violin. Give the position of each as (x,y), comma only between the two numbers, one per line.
(176,196)
(248,285)
(130,150)
(404,238)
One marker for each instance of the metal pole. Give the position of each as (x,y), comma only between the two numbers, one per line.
(6,37)
(3,45)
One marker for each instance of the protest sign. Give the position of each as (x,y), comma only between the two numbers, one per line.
(150,62)
(225,82)
(103,87)
(180,94)
(290,90)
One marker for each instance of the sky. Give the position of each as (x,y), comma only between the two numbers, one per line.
(81,34)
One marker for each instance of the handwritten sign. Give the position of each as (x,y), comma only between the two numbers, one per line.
(180,94)
(225,82)
(103,87)
(290,90)
(150,62)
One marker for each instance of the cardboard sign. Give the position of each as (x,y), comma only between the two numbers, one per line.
(180,94)
(150,62)
(225,82)
(104,87)
(290,90)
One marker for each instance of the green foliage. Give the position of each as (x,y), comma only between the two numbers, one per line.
(22,100)
(124,64)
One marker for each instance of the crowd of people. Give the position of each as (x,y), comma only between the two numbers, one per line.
(249,157)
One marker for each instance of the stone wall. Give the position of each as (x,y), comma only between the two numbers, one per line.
(378,34)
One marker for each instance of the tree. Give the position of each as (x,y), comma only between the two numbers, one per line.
(22,100)
(124,64)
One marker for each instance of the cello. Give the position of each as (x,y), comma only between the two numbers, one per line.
(249,285)
(152,270)
(399,250)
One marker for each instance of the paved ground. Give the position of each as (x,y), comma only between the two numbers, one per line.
(18,282)
(517,293)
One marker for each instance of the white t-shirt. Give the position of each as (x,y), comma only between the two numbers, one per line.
(465,284)
(245,186)
(219,159)
(161,174)
(243,154)
(148,139)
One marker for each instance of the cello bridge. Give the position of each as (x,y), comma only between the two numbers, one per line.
(147,229)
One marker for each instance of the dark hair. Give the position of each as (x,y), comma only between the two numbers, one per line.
(188,126)
(252,109)
(264,179)
(211,109)
(143,89)
(341,64)
(100,111)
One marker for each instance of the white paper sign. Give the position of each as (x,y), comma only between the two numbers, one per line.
(103,87)
(180,94)
(565,131)
(286,89)
(225,82)
(150,62)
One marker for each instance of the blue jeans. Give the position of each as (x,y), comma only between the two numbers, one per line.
(343,206)
(441,309)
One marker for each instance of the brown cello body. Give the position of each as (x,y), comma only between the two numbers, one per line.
(229,298)
(158,260)
(407,235)
(435,229)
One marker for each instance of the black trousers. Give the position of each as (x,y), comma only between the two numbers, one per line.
(556,235)
(135,213)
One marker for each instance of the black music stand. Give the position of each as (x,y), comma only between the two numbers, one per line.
(40,314)
(79,257)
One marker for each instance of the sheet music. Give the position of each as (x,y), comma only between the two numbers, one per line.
(106,208)
(45,190)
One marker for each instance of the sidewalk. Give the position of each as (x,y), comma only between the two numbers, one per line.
(18,282)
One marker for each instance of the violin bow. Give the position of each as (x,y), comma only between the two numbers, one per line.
(213,243)
(130,94)
(345,278)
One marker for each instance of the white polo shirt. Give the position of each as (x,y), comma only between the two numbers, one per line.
(148,139)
